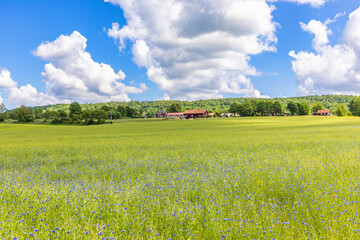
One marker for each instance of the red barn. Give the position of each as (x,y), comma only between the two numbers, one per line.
(195,114)
(324,113)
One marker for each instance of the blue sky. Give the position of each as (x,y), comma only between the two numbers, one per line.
(26,25)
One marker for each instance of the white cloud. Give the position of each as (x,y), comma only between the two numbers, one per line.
(72,74)
(29,96)
(197,49)
(6,81)
(313,3)
(351,33)
(320,31)
(25,95)
(331,69)
(1,100)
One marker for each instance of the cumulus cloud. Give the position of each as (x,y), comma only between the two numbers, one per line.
(330,69)
(25,95)
(6,81)
(29,96)
(197,49)
(321,32)
(72,74)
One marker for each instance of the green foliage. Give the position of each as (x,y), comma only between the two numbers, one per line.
(99,115)
(341,111)
(23,114)
(304,109)
(86,115)
(75,109)
(175,107)
(38,113)
(130,112)
(277,108)
(63,114)
(2,108)
(262,106)
(234,108)
(355,106)
(293,108)
(4,114)
(122,110)
(316,107)
(105,108)
(246,109)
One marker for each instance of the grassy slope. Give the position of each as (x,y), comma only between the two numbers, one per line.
(259,177)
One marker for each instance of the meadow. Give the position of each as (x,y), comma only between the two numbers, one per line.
(240,178)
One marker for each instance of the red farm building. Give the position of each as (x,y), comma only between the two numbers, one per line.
(323,113)
(195,114)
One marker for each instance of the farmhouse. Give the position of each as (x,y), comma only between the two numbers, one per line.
(175,116)
(195,114)
(160,114)
(323,113)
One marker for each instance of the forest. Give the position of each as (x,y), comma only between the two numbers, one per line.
(222,105)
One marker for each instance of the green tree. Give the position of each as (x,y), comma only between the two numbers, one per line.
(175,107)
(122,110)
(293,108)
(341,110)
(23,114)
(63,115)
(141,112)
(99,115)
(86,115)
(75,109)
(355,106)
(246,109)
(53,115)
(277,108)
(316,107)
(3,112)
(46,114)
(105,108)
(234,108)
(2,108)
(254,104)
(130,112)
(304,109)
(38,112)
(261,107)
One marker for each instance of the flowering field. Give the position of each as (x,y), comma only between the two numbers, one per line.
(246,178)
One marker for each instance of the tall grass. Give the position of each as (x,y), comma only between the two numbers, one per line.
(251,178)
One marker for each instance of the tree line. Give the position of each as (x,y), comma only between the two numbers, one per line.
(75,115)
(149,108)
(98,113)
(277,108)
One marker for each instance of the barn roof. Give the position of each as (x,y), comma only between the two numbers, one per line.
(175,114)
(323,111)
(195,111)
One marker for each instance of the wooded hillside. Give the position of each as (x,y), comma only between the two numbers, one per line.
(222,105)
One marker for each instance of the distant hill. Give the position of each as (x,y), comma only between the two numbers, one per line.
(150,107)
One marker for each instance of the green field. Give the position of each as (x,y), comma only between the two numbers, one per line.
(244,178)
